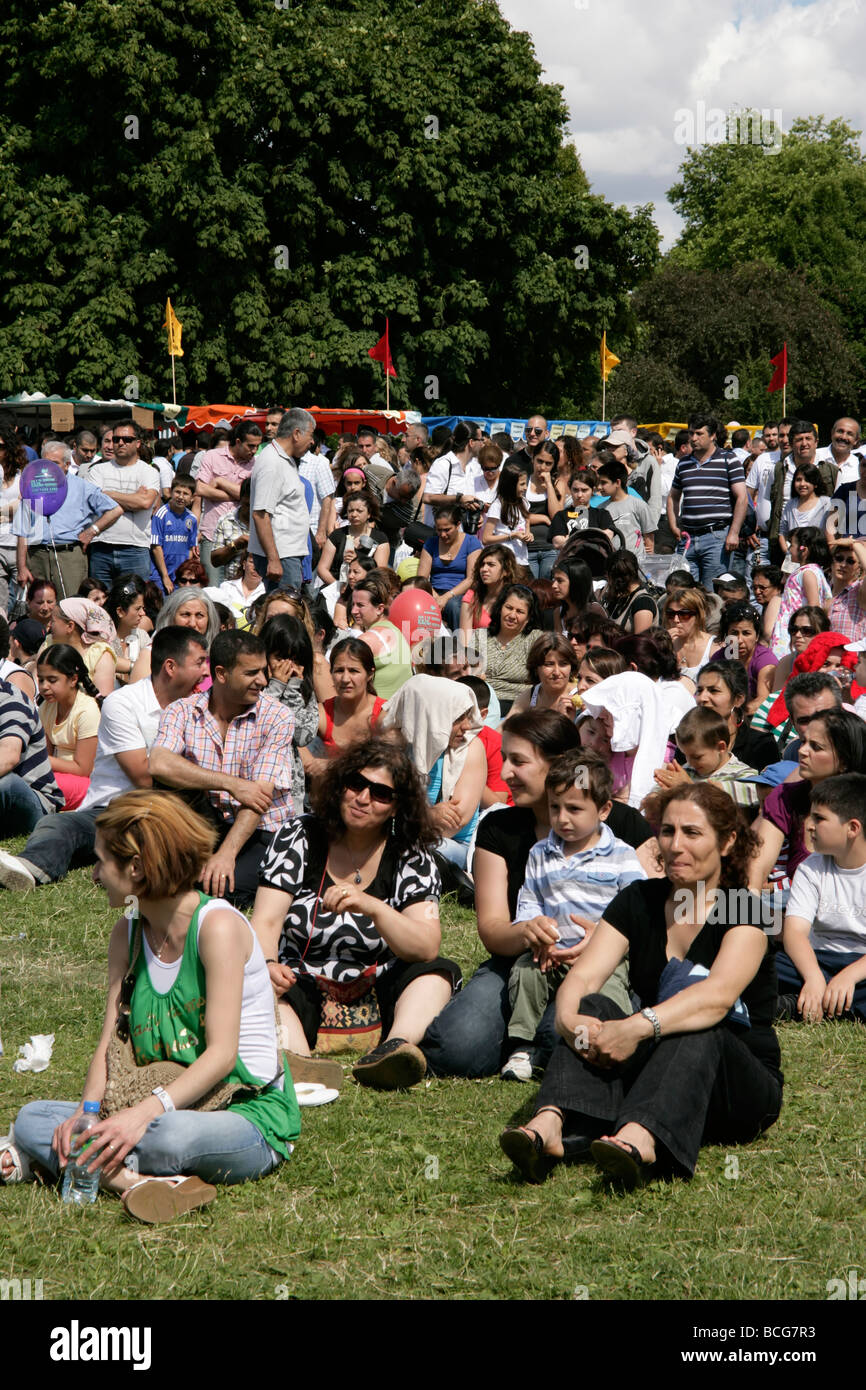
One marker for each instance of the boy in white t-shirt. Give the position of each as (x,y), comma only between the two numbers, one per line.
(824,937)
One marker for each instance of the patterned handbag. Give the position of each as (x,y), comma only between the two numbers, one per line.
(350,1020)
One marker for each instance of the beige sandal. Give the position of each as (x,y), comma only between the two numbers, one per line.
(155,1200)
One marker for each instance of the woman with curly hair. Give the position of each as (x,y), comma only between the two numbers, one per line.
(495,570)
(640,1093)
(12,460)
(349,905)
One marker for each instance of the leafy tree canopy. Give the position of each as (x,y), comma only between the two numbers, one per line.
(290,175)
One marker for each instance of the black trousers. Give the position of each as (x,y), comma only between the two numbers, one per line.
(249,860)
(688,1089)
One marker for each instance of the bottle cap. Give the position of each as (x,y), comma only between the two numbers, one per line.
(91,1107)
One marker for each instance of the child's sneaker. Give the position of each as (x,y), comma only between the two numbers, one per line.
(519,1067)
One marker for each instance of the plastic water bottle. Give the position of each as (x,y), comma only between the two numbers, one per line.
(79,1185)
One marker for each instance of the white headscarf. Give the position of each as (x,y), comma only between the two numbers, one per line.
(424,710)
(640,720)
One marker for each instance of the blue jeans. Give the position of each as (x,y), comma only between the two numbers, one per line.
(455,851)
(109,562)
(831,962)
(469,1037)
(541,562)
(707,557)
(214,1145)
(20,807)
(451,613)
(293,573)
(57,839)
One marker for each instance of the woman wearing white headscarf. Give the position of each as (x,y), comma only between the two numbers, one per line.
(639,725)
(440,721)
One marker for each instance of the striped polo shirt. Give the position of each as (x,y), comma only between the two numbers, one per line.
(557,884)
(706,489)
(19,720)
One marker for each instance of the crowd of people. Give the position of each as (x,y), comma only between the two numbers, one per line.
(633,740)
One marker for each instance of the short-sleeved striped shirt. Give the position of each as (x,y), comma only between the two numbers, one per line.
(706,488)
(19,720)
(557,884)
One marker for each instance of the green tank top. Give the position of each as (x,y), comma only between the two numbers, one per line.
(171,1027)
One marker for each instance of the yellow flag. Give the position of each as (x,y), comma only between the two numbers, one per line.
(174,326)
(608,361)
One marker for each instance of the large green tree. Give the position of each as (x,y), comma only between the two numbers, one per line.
(706,338)
(797,205)
(290,174)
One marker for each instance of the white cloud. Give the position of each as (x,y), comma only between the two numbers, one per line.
(626,68)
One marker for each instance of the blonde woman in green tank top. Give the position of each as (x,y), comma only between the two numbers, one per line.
(197,992)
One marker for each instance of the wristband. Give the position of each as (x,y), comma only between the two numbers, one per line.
(163,1097)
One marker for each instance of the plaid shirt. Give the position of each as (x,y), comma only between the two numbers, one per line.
(846,615)
(258,746)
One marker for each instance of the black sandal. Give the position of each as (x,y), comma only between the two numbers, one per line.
(525,1148)
(622,1163)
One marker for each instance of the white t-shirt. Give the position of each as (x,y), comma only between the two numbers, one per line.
(10,497)
(834,901)
(165,471)
(447,476)
(816,515)
(276,488)
(518,548)
(760,481)
(129,720)
(132,528)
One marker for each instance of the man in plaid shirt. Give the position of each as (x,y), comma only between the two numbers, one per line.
(235,747)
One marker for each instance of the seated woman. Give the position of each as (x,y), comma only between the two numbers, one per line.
(768,582)
(552,668)
(240,593)
(70,718)
(360,535)
(125,607)
(448,560)
(360,566)
(201,997)
(833,741)
(353,480)
(88,628)
(496,569)
(572,582)
(723,686)
(191,573)
(641,1093)
(185,607)
(290,601)
(440,722)
(349,902)
(804,624)
(739,630)
(629,724)
(626,597)
(514,627)
(468,1038)
(685,618)
(290,667)
(40,602)
(350,716)
(371,600)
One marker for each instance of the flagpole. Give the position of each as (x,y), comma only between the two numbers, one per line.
(387,373)
(603,398)
(173,383)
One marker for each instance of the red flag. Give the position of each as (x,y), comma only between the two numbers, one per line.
(780,375)
(382,353)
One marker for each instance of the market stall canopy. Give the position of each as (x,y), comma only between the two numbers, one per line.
(35,408)
(332,421)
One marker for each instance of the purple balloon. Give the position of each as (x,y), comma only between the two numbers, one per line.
(43,484)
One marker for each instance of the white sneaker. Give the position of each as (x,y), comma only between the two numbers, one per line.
(518,1067)
(14,873)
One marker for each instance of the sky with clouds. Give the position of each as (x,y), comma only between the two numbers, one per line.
(627,68)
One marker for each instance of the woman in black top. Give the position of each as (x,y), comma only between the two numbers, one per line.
(692,1067)
(723,686)
(625,599)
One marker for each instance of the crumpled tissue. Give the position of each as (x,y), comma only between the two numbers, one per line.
(36,1054)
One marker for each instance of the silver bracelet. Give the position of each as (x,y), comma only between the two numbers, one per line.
(654,1020)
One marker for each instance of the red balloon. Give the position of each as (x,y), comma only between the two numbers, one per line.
(416,614)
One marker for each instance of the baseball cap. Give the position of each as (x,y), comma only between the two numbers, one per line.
(29,634)
(618,437)
(774,774)
(856,646)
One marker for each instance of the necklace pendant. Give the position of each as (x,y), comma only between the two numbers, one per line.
(357,875)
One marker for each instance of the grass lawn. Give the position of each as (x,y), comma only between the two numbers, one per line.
(409,1196)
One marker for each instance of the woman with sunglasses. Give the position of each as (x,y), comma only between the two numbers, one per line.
(187,982)
(191,573)
(847,608)
(125,606)
(685,619)
(768,582)
(349,904)
(804,624)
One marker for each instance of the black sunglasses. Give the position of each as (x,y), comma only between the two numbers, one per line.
(125,439)
(379,791)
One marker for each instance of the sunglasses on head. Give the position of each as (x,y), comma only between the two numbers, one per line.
(379,791)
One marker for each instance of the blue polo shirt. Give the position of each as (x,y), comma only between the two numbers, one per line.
(83,505)
(176,535)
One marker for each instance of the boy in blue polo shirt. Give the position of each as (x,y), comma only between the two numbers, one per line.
(173,532)
(574,873)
